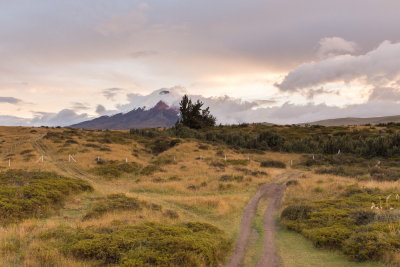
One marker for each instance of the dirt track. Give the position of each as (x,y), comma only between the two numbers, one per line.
(269,257)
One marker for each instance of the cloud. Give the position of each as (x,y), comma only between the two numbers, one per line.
(79,106)
(384,94)
(11,100)
(331,47)
(379,67)
(145,53)
(310,94)
(65,117)
(110,93)
(101,110)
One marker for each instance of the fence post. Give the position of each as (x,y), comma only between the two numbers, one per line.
(126,160)
(9,162)
(291,162)
(225,157)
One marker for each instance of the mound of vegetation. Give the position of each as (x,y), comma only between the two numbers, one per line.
(273,164)
(111,169)
(27,194)
(113,202)
(229,178)
(150,169)
(349,223)
(26,151)
(150,244)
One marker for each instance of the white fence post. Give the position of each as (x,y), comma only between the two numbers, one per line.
(70,157)
(291,162)
(98,158)
(41,158)
(126,160)
(9,162)
(225,158)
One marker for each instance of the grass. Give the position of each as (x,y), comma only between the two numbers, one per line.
(296,251)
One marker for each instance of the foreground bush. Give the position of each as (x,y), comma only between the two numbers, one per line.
(349,223)
(28,194)
(149,244)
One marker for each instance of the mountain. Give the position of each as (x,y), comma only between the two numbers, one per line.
(158,109)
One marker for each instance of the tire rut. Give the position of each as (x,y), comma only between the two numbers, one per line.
(248,214)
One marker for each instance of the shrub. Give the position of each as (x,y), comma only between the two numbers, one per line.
(174,142)
(362,217)
(25,195)
(218,164)
(105,149)
(332,236)
(273,164)
(174,178)
(111,170)
(292,182)
(318,189)
(150,169)
(229,178)
(92,145)
(26,151)
(71,141)
(171,214)
(296,212)
(369,246)
(111,203)
(204,147)
(150,244)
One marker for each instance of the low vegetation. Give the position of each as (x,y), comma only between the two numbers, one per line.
(26,195)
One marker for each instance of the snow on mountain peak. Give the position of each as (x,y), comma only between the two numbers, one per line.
(170,97)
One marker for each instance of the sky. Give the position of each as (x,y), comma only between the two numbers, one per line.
(286,61)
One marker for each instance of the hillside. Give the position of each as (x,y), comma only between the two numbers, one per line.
(355,121)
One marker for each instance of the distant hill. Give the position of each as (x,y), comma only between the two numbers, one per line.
(349,121)
(355,121)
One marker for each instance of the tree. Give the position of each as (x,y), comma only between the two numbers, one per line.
(193,116)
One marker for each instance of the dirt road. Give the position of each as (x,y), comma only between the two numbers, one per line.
(274,192)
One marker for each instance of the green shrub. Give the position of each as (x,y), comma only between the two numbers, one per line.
(174,178)
(273,164)
(318,189)
(204,147)
(362,217)
(150,169)
(229,178)
(332,236)
(158,180)
(296,212)
(110,169)
(111,203)
(151,244)
(364,246)
(25,195)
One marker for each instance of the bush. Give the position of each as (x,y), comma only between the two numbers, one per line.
(318,189)
(111,203)
(362,217)
(150,169)
(26,195)
(273,164)
(292,182)
(71,141)
(332,236)
(171,214)
(229,178)
(26,151)
(111,170)
(151,244)
(369,246)
(296,212)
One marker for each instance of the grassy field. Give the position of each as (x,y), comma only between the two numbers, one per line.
(176,187)
(139,185)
